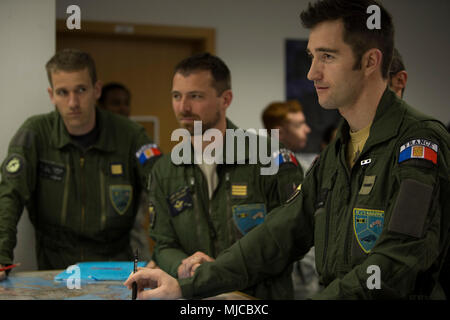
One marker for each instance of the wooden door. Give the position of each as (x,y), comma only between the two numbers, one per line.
(141,57)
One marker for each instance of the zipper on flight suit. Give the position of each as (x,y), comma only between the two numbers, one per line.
(230,218)
(83,200)
(349,233)
(327,218)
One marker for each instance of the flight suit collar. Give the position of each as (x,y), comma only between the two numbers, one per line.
(385,125)
(106,139)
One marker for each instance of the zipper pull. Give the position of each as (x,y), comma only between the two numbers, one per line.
(81,162)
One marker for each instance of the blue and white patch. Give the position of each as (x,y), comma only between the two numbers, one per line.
(248,216)
(368,225)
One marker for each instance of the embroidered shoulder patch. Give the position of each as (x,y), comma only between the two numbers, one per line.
(146,152)
(367,224)
(285,156)
(419,149)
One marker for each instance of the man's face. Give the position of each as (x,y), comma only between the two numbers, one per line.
(337,84)
(117,101)
(294,133)
(75,97)
(194,99)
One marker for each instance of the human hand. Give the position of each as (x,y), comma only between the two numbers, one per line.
(2,273)
(188,266)
(152,265)
(162,284)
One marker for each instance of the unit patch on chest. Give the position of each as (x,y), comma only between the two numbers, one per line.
(248,216)
(367,225)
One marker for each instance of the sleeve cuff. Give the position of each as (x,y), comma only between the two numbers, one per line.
(187,287)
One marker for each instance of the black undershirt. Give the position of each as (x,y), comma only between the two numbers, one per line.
(86,140)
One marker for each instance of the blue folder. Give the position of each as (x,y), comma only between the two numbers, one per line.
(100,271)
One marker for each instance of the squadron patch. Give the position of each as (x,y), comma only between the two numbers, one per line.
(179,201)
(367,224)
(146,152)
(121,196)
(419,149)
(248,216)
(13,165)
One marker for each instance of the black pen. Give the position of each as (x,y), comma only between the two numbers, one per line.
(134,285)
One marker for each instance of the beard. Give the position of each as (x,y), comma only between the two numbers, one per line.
(205,124)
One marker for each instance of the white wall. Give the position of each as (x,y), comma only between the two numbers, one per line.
(251,33)
(27,37)
(250,38)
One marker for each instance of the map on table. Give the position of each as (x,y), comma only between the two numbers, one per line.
(40,285)
(100,271)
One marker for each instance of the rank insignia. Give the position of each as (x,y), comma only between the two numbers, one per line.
(248,216)
(146,152)
(116,169)
(121,196)
(367,224)
(179,201)
(239,190)
(418,149)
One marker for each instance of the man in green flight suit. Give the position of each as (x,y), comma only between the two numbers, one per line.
(201,207)
(77,170)
(375,205)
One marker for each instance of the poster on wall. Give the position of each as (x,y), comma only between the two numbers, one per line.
(298,87)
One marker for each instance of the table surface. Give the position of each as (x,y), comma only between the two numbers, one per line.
(39,285)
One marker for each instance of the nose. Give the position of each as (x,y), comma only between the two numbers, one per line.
(73,100)
(185,106)
(315,72)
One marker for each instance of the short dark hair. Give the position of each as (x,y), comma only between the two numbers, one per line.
(357,35)
(71,60)
(276,113)
(397,64)
(110,87)
(207,62)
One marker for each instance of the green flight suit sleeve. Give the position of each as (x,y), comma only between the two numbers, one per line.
(167,253)
(414,236)
(285,236)
(144,169)
(16,187)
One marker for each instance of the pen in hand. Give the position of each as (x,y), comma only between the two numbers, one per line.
(134,285)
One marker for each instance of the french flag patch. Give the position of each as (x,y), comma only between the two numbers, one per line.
(285,156)
(146,152)
(419,149)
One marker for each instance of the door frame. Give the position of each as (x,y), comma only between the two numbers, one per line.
(206,37)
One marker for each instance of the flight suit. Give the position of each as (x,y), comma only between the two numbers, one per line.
(185,220)
(380,229)
(81,203)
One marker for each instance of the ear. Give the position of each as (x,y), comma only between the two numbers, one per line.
(51,94)
(281,133)
(98,89)
(227,97)
(401,78)
(371,61)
